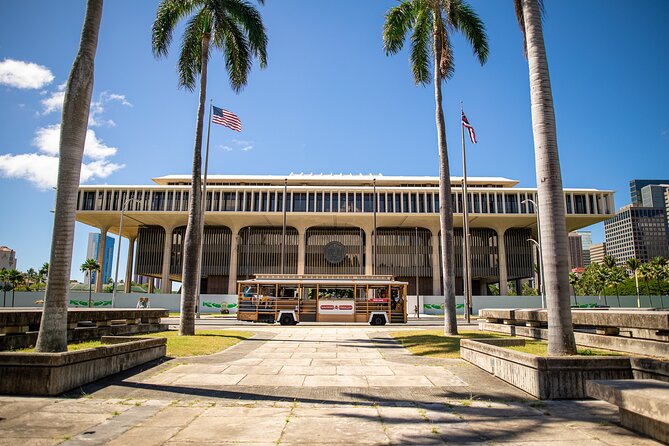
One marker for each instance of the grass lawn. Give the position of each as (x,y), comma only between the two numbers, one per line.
(205,342)
(433,343)
(540,348)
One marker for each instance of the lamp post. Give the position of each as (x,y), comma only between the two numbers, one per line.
(537,243)
(118,251)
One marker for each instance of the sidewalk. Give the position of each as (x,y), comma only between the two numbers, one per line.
(308,385)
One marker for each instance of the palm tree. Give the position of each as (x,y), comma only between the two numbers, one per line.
(646,271)
(615,277)
(549,182)
(53,327)
(31,278)
(609,263)
(90,265)
(573,281)
(235,27)
(15,278)
(659,266)
(430,24)
(3,279)
(633,265)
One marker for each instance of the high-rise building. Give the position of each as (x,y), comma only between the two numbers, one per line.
(653,196)
(586,241)
(638,232)
(637,185)
(575,250)
(597,253)
(92,253)
(7,258)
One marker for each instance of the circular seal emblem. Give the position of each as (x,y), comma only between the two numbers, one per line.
(335,252)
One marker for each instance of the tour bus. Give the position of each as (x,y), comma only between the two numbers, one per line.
(289,299)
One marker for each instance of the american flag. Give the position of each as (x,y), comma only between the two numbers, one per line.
(226,118)
(470,129)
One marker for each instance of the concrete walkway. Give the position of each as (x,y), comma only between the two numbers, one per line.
(308,385)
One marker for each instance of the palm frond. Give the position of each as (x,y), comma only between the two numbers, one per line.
(229,37)
(420,47)
(250,21)
(397,24)
(190,57)
(463,18)
(169,13)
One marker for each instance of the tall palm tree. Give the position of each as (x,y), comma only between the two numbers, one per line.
(549,182)
(90,265)
(633,265)
(431,23)
(31,278)
(615,278)
(235,27)
(53,327)
(609,263)
(646,271)
(659,267)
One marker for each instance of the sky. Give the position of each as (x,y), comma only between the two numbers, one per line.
(330,100)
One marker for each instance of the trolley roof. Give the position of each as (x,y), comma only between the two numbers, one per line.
(311,279)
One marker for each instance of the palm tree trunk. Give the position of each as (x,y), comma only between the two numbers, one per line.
(549,189)
(53,327)
(192,242)
(445,205)
(90,288)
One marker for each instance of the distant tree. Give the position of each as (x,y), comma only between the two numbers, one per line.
(573,281)
(615,277)
(646,272)
(5,285)
(527,290)
(90,265)
(633,265)
(659,268)
(31,278)
(15,278)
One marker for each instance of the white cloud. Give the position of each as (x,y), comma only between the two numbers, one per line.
(241,142)
(42,170)
(247,148)
(54,102)
(24,75)
(226,148)
(47,140)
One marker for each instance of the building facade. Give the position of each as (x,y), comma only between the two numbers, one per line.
(638,232)
(7,258)
(575,250)
(93,252)
(637,185)
(330,227)
(586,242)
(597,253)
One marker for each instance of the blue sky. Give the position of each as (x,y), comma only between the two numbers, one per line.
(331,101)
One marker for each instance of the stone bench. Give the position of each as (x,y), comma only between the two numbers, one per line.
(643,404)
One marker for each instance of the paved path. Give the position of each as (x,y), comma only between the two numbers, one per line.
(308,385)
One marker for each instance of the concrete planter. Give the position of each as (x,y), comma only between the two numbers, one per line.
(542,377)
(55,373)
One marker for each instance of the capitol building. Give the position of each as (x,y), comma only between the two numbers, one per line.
(330,227)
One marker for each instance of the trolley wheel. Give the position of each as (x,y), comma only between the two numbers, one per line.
(287,319)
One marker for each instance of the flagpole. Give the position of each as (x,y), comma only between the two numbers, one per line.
(202,214)
(374,233)
(466,264)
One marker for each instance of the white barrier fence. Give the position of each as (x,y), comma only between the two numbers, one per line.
(214,303)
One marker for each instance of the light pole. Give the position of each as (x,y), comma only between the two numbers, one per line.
(538,245)
(118,251)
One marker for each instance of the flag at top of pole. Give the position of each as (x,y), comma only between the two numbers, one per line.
(227,119)
(470,129)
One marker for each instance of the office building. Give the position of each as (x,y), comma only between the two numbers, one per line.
(597,253)
(637,185)
(92,252)
(331,227)
(586,241)
(638,232)
(575,250)
(7,258)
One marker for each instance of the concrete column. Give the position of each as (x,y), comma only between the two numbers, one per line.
(127,285)
(501,250)
(165,282)
(301,249)
(232,275)
(151,286)
(369,252)
(99,275)
(436,269)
